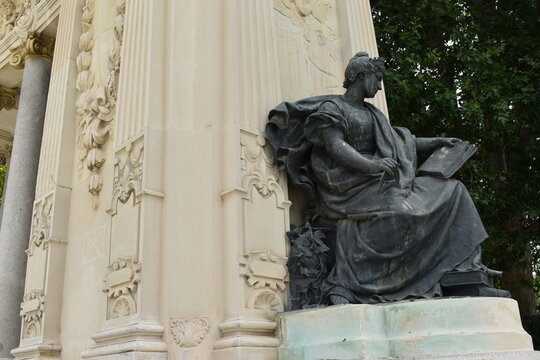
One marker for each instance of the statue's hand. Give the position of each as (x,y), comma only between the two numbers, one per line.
(447,142)
(387,165)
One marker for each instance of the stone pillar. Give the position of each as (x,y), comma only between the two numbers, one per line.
(20,190)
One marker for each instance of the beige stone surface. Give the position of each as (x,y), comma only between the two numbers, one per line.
(167,217)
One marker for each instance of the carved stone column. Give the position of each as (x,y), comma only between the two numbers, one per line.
(34,56)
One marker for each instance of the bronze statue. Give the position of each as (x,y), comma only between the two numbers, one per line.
(398,235)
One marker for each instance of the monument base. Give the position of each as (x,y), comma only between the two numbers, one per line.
(445,328)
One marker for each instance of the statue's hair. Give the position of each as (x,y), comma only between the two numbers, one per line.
(361,64)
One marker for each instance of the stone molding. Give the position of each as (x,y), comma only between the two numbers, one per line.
(9,98)
(189,333)
(96,103)
(31,44)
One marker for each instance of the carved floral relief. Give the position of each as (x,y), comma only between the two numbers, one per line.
(258,168)
(128,173)
(189,333)
(96,103)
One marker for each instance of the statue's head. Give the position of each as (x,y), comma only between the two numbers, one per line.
(361,66)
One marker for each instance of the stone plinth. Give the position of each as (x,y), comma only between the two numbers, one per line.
(448,328)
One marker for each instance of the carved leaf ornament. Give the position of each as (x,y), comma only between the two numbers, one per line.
(96,103)
(189,332)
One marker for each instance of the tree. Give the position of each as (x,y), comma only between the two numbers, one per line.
(471,69)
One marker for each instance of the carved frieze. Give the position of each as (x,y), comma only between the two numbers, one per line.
(9,98)
(96,102)
(258,168)
(41,224)
(121,282)
(30,44)
(188,333)
(32,309)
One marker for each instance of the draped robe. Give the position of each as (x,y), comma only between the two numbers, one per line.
(394,241)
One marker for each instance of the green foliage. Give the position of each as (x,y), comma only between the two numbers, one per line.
(471,69)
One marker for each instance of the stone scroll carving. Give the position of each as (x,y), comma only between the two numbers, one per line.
(9,98)
(96,102)
(30,44)
(121,284)
(32,312)
(266,274)
(188,333)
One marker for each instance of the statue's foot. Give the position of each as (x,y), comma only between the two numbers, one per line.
(338,300)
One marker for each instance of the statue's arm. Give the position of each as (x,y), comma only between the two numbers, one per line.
(428,145)
(347,156)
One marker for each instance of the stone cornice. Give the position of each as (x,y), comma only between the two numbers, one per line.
(9,98)
(33,44)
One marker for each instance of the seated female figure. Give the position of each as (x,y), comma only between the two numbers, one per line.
(397,234)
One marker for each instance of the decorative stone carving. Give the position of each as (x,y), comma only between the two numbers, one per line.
(96,103)
(258,168)
(12,14)
(121,284)
(41,223)
(9,98)
(5,153)
(265,299)
(32,309)
(264,269)
(30,44)
(308,39)
(128,174)
(189,333)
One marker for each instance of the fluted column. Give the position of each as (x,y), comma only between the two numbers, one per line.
(21,183)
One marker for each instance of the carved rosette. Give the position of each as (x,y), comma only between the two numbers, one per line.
(29,45)
(96,102)
(32,309)
(258,168)
(266,273)
(128,174)
(188,333)
(121,284)
(41,224)
(9,98)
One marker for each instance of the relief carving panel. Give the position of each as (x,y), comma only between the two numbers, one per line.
(309,47)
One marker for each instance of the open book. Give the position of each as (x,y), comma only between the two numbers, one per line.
(444,162)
